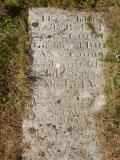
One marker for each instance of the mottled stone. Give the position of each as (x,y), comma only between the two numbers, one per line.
(67,85)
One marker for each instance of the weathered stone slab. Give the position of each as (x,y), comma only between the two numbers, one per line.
(67,85)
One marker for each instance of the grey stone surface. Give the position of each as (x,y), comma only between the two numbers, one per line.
(67,85)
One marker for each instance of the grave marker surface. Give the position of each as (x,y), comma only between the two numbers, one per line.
(67,85)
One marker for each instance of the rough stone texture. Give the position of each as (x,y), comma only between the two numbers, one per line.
(67,85)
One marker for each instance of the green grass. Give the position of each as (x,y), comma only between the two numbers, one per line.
(15,65)
(91,27)
(109,117)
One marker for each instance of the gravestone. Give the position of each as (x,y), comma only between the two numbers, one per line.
(67,85)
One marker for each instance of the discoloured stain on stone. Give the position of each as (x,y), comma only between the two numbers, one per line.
(35,24)
(67,85)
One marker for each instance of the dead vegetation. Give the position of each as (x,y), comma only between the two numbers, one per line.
(109,118)
(14,67)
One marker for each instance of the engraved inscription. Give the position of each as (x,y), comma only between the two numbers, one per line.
(67,85)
